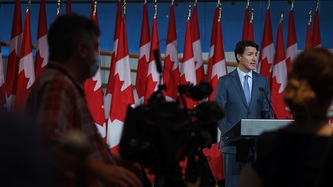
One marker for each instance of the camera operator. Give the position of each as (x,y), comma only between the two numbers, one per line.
(57,102)
(162,134)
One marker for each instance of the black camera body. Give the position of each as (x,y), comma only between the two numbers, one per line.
(162,134)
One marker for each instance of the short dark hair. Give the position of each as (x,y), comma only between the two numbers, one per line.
(240,47)
(66,32)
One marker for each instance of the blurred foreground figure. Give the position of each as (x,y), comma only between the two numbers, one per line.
(24,159)
(301,153)
(58,104)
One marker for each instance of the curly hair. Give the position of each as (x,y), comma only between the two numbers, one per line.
(310,83)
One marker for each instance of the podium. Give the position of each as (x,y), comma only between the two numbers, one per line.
(254,127)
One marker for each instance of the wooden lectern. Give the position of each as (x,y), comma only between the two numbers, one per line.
(254,127)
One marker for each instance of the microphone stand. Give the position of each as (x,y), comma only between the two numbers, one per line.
(269,103)
(158,94)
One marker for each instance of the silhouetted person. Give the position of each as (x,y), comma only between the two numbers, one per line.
(58,104)
(301,153)
(24,159)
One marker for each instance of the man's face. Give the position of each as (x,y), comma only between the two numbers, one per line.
(247,61)
(87,58)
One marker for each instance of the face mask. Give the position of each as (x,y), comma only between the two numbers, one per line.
(95,66)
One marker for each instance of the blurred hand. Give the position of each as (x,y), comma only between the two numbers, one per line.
(114,175)
(120,177)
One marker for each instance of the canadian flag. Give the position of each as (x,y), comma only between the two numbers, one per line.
(171,72)
(188,75)
(215,161)
(316,40)
(212,46)
(292,40)
(145,59)
(119,86)
(266,55)
(308,39)
(197,51)
(94,92)
(144,53)
(246,22)
(68,7)
(279,78)
(211,60)
(42,48)
(110,86)
(26,73)
(122,95)
(250,34)
(152,79)
(14,56)
(219,68)
(2,84)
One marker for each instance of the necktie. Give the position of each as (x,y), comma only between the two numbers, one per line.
(247,89)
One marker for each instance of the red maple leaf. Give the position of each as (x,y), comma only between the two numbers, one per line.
(120,100)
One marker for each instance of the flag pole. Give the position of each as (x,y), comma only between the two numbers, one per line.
(252,15)
(292,4)
(189,11)
(281,15)
(248,4)
(95,8)
(29,4)
(316,28)
(124,7)
(269,4)
(220,12)
(155,9)
(58,7)
(308,41)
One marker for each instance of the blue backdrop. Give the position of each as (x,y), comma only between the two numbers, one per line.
(232,21)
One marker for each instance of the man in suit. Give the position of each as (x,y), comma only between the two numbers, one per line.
(241,95)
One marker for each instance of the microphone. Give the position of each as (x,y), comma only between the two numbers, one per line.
(159,70)
(261,89)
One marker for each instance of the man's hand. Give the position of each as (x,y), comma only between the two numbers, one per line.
(114,175)
(120,176)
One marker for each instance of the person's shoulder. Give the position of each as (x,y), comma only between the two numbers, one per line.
(258,75)
(53,79)
(53,75)
(229,75)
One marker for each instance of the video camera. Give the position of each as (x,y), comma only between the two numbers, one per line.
(162,134)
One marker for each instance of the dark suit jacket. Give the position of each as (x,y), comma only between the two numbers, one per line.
(230,95)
